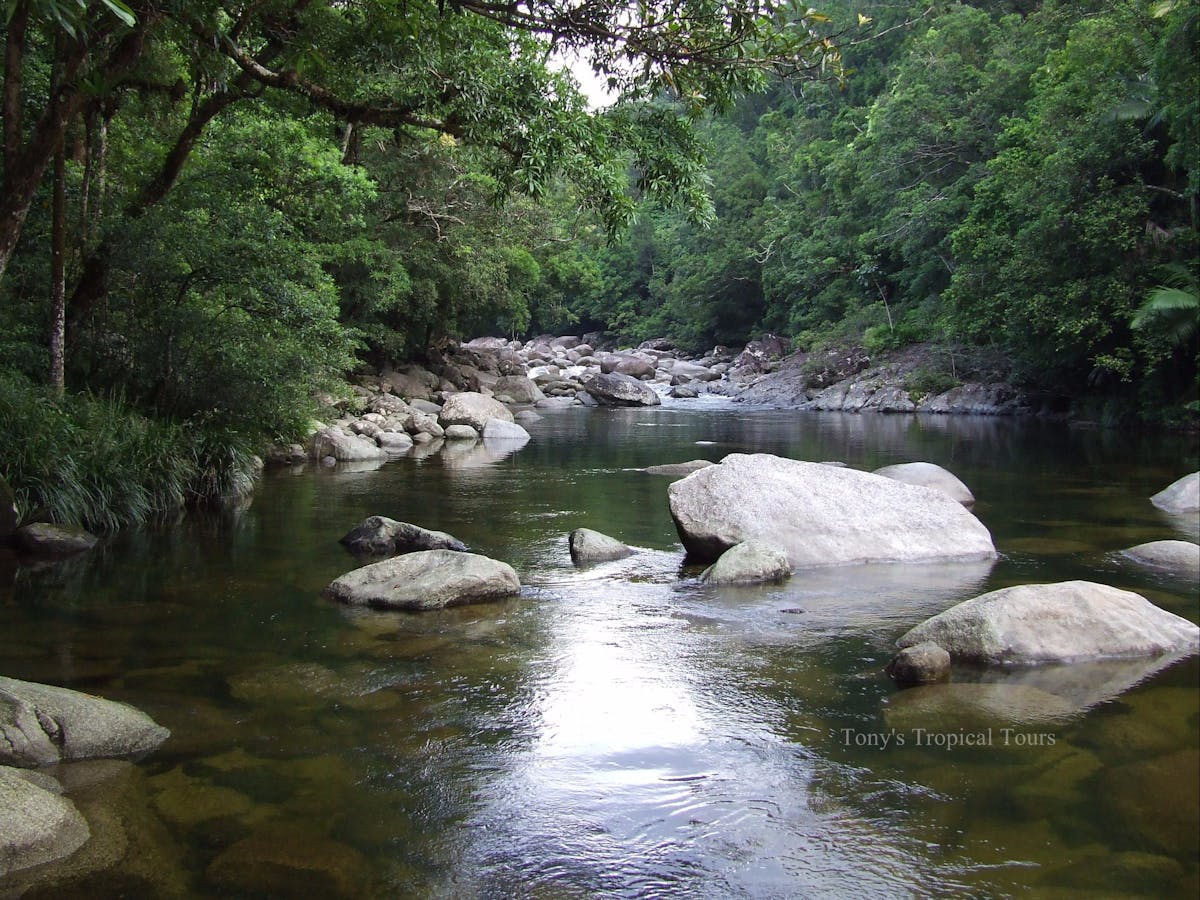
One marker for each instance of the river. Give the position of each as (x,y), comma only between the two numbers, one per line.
(623,730)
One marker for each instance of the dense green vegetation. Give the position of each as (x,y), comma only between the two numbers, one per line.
(213,210)
(1015,175)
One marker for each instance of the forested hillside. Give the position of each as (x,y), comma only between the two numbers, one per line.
(213,210)
(1014,175)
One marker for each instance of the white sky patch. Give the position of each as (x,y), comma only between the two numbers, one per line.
(593,86)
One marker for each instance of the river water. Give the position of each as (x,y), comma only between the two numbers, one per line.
(621,730)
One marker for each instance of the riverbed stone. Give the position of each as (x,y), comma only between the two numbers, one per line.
(381,536)
(499,430)
(1182,496)
(1156,799)
(588,546)
(1063,622)
(472,408)
(284,861)
(46,539)
(1180,557)
(394,442)
(929,475)
(343,447)
(750,562)
(820,515)
(41,724)
(461,433)
(924,663)
(679,470)
(427,579)
(37,824)
(620,390)
(520,388)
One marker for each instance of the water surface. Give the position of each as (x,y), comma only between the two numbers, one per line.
(622,730)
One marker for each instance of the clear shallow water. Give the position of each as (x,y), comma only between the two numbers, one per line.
(621,730)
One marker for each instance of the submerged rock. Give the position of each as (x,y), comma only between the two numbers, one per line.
(931,476)
(45,539)
(589,546)
(427,579)
(620,390)
(37,825)
(750,562)
(1181,557)
(820,515)
(923,663)
(381,536)
(1182,496)
(41,725)
(679,470)
(1064,622)
(279,861)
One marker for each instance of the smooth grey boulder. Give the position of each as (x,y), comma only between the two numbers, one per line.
(620,390)
(1182,496)
(924,663)
(41,725)
(343,447)
(684,392)
(820,515)
(37,824)
(1062,622)
(520,388)
(679,470)
(425,580)
(469,408)
(931,476)
(526,416)
(461,433)
(381,536)
(750,562)
(46,539)
(1181,557)
(589,546)
(8,510)
(499,430)
(394,442)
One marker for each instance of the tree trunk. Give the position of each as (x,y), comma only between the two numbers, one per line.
(14,58)
(24,169)
(58,276)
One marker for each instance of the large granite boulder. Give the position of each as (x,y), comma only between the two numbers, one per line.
(924,663)
(620,390)
(497,430)
(427,579)
(381,536)
(1180,557)
(928,475)
(8,510)
(519,388)
(820,515)
(343,447)
(37,824)
(1182,496)
(46,539)
(41,725)
(476,410)
(588,546)
(750,562)
(1063,622)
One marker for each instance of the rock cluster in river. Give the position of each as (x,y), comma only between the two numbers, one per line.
(42,725)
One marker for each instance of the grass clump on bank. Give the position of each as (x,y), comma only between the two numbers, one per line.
(99,463)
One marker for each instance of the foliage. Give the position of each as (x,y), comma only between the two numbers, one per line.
(100,463)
